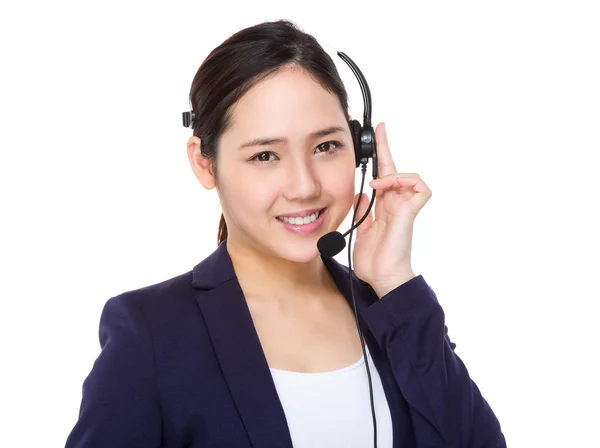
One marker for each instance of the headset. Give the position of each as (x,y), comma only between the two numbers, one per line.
(331,244)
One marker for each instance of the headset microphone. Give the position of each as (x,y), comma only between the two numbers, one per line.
(365,148)
(333,243)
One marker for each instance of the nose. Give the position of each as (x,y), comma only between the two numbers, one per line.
(301,182)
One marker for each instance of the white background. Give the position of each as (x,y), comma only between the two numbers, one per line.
(495,105)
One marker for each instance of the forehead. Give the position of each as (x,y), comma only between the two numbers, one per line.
(287,102)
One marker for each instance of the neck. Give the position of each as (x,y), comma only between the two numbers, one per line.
(261,274)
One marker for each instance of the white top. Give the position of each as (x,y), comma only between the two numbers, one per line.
(333,409)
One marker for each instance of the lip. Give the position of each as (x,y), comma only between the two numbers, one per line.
(301,213)
(305,229)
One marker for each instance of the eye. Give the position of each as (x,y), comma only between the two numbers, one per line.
(329,147)
(263,157)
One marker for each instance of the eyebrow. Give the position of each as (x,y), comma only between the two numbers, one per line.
(266,141)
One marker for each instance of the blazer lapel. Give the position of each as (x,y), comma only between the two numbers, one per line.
(239,351)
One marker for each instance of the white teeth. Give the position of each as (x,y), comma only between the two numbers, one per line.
(300,221)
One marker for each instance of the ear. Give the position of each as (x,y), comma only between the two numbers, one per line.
(200,164)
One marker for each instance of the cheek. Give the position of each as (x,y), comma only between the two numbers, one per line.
(247,194)
(341,183)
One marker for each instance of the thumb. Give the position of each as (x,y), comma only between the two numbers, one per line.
(362,208)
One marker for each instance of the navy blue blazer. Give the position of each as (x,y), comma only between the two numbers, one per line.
(181,365)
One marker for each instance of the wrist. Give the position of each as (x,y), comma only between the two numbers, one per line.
(383,288)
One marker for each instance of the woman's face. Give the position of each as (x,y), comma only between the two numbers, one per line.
(288,149)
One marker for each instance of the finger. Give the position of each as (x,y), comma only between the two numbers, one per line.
(362,208)
(391,180)
(416,183)
(411,188)
(385,163)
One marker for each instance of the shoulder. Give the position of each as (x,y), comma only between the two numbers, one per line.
(158,294)
(152,305)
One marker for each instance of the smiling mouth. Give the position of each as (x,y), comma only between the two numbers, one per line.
(299,221)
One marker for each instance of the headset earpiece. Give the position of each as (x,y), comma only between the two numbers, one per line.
(355,130)
(363,140)
(188,118)
(363,135)
(368,147)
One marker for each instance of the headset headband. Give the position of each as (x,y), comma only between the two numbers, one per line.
(190,116)
(364,87)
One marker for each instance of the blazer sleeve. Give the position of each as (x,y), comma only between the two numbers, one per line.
(446,406)
(120,405)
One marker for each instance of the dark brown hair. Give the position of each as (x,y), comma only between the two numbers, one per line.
(241,61)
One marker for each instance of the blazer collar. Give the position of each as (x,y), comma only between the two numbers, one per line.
(238,347)
(214,270)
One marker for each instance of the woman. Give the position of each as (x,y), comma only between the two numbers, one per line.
(257,345)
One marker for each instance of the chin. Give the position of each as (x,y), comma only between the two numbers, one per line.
(301,252)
